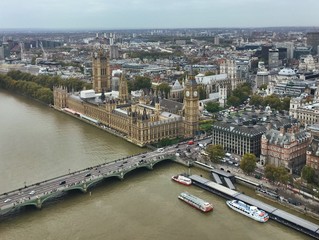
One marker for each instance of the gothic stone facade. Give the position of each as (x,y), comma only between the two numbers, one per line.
(142,122)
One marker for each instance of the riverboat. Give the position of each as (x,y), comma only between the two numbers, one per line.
(248,210)
(182,180)
(196,202)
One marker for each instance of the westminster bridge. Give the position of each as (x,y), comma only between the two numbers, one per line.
(38,193)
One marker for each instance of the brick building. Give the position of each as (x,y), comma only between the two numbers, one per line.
(285,148)
(312,158)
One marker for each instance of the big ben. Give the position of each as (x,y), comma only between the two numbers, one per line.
(101,71)
(191,108)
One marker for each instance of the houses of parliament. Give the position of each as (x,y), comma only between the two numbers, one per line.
(141,121)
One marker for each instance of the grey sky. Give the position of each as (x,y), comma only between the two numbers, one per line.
(112,14)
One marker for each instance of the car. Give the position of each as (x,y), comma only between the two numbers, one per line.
(191,142)
(236,164)
(294,202)
(143,156)
(160,150)
(7,200)
(32,192)
(88,174)
(230,162)
(62,182)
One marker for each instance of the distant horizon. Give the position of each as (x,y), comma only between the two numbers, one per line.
(152,14)
(149,28)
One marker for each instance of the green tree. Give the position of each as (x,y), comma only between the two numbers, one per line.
(165,88)
(206,126)
(308,174)
(256,100)
(233,101)
(248,163)
(141,82)
(213,107)
(215,152)
(282,175)
(276,174)
(285,103)
(270,172)
(273,101)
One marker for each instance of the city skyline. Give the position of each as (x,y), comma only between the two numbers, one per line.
(99,14)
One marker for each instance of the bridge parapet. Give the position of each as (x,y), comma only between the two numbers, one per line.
(38,193)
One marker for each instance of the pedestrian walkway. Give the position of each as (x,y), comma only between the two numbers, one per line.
(307,206)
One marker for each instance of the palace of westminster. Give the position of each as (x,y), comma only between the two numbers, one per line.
(142,121)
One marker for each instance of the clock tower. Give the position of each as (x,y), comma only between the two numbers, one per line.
(191,108)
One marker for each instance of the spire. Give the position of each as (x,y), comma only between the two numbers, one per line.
(123,89)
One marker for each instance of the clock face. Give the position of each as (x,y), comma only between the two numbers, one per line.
(195,93)
(187,93)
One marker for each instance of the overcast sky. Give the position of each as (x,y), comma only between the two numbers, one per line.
(128,14)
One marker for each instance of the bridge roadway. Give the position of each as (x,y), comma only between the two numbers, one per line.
(36,194)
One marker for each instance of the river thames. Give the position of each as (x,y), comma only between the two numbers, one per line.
(38,143)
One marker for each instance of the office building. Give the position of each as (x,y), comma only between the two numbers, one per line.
(313,41)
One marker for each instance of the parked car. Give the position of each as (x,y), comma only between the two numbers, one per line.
(32,192)
(7,200)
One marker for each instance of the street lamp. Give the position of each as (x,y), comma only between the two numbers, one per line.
(69,170)
(25,184)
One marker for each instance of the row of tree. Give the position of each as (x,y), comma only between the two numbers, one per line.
(216,153)
(271,172)
(273,101)
(29,89)
(38,87)
(241,94)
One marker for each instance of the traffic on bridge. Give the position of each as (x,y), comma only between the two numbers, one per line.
(40,192)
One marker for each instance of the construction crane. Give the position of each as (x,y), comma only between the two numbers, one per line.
(45,55)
